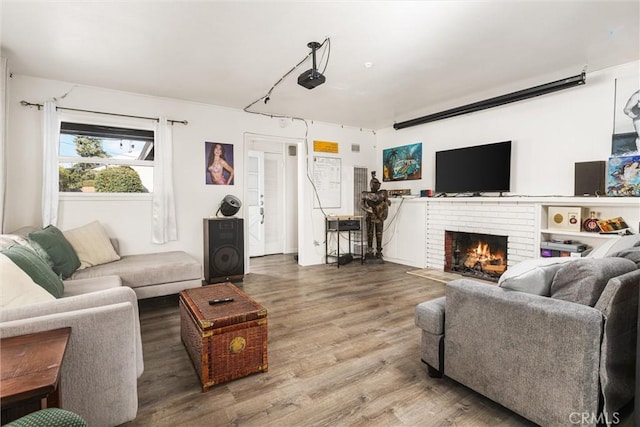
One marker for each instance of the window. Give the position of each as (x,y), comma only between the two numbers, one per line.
(105,159)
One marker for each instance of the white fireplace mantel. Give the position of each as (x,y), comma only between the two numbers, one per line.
(415,227)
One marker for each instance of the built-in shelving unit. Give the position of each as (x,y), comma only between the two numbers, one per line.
(414,231)
(604,207)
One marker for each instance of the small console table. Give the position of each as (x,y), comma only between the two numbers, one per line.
(31,372)
(343,224)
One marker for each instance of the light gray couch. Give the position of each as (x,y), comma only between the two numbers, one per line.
(104,357)
(149,275)
(553,361)
(103,360)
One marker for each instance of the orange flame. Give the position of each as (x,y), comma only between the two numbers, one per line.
(483,253)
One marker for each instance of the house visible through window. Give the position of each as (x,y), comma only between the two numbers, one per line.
(105,159)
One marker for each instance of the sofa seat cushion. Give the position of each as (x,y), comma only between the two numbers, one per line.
(90,284)
(430,316)
(147,269)
(583,280)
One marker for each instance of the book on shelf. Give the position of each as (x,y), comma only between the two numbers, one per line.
(613,225)
(548,253)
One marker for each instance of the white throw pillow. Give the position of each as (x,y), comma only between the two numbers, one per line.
(533,276)
(17,288)
(92,245)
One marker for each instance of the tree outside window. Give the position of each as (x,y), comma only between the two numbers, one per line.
(105,159)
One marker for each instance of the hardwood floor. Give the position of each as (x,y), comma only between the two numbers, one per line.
(343,351)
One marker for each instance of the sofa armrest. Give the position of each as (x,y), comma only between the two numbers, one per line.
(84,301)
(536,355)
(619,304)
(98,379)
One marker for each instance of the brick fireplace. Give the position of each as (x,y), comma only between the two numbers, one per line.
(475,254)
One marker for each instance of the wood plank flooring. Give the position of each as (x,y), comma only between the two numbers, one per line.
(343,351)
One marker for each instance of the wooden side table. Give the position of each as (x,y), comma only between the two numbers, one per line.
(30,372)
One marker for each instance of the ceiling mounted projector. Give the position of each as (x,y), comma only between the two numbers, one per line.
(312,78)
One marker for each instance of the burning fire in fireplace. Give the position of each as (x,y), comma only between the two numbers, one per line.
(480,255)
(481,258)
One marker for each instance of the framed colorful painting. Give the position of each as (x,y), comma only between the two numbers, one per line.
(402,163)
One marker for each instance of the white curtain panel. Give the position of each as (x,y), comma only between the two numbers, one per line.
(50,164)
(164,224)
(4,99)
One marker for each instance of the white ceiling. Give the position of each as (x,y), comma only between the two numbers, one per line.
(426,55)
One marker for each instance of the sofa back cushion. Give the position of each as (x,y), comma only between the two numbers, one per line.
(38,270)
(632,254)
(613,245)
(583,280)
(17,288)
(64,258)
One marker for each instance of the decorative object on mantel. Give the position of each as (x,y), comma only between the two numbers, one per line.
(591,224)
(566,218)
(613,225)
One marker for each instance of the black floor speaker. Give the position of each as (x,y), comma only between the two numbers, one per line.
(223,250)
(590,178)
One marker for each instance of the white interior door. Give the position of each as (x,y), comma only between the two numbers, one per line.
(273,203)
(255,202)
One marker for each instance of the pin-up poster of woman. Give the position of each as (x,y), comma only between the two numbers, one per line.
(219,163)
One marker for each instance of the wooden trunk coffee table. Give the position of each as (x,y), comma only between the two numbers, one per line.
(225,340)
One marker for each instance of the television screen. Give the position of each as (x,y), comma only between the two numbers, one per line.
(478,169)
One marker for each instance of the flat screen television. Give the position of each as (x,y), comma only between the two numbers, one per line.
(478,169)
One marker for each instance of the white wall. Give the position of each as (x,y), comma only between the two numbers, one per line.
(130,220)
(549,133)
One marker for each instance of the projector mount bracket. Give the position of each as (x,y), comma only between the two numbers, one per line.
(314,46)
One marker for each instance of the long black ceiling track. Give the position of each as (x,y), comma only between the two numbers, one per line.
(498,100)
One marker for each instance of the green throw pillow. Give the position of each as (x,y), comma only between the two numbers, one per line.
(64,258)
(36,268)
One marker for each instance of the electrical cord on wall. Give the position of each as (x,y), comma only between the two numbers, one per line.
(266,97)
(391,223)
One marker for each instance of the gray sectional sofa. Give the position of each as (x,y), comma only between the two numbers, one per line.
(554,341)
(149,275)
(99,301)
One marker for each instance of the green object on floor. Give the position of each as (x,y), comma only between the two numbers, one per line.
(50,417)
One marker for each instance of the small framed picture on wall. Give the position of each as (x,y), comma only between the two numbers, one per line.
(218,163)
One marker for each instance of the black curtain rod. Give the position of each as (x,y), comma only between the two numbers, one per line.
(579,79)
(30,104)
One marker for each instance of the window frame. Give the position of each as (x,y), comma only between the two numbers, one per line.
(94,119)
